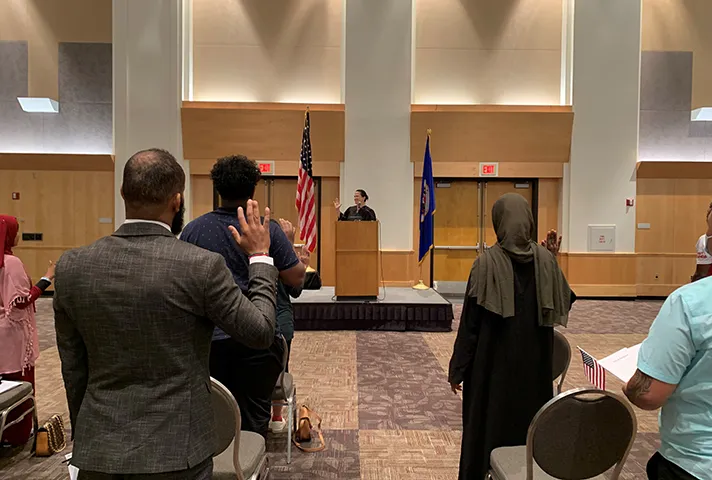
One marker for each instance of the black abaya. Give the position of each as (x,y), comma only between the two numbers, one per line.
(505,366)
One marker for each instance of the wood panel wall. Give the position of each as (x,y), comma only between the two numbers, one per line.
(269,131)
(64,205)
(673,198)
(601,274)
(492,133)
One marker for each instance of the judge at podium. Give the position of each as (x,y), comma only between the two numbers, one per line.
(359,212)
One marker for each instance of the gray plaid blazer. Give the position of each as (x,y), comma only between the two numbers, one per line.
(134,315)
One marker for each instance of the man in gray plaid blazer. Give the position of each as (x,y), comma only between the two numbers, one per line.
(134,315)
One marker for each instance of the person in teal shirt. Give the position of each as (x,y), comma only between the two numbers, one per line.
(675,373)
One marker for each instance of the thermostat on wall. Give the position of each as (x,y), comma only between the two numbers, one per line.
(601,238)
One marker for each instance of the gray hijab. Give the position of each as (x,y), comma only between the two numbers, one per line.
(492,275)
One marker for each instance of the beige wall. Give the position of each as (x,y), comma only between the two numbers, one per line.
(46,23)
(488,52)
(267,50)
(677,25)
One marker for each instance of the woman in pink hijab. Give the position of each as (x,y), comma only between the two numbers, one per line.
(18,330)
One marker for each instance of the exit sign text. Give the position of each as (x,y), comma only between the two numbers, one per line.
(489,169)
(266,168)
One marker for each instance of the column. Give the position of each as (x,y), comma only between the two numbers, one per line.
(378,35)
(147,70)
(606,97)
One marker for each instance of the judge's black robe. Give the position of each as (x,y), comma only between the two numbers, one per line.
(363,214)
(505,366)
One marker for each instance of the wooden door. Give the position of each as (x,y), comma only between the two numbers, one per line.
(282,196)
(202,194)
(457,230)
(492,191)
(262,194)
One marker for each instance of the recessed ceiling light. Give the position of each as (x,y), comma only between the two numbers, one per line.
(703,114)
(38,104)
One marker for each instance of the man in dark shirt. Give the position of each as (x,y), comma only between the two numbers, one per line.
(249,374)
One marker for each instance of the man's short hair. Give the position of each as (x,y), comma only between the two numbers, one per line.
(235,177)
(151,178)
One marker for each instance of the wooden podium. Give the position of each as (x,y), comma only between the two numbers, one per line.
(357,260)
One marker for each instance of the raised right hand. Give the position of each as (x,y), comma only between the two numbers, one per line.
(337,204)
(552,242)
(50,270)
(288,229)
(254,238)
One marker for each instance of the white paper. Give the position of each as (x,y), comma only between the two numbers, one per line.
(623,363)
(6,385)
(73,472)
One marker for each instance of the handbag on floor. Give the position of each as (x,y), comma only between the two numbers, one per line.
(303,433)
(50,437)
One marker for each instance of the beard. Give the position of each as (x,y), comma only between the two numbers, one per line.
(179,219)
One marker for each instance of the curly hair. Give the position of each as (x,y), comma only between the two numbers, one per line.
(235,177)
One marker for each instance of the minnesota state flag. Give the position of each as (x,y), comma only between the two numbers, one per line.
(427,204)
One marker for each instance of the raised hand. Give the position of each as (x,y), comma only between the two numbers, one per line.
(253,237)
(304,256)
(288,229)
(552,242)
(337,204)
(50,270)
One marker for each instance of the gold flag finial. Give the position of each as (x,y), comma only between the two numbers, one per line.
(429,131)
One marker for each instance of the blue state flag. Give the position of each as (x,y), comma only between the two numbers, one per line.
(427,204)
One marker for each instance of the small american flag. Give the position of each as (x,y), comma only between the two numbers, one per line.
(306,204)
(595,373)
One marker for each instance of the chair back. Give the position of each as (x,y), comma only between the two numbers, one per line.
(561,359)
(580,434)
(227,422)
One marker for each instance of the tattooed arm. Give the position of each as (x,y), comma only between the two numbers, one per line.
(647,393)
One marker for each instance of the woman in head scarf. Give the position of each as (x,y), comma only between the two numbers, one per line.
(18,330)
(516,294)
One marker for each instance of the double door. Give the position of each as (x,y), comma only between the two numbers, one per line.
(279,194)
(463,225)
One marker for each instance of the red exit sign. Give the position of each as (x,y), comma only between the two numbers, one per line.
(489,169)
(266,168)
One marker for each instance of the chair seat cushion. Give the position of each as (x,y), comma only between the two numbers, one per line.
(278,393)
(252,451)
(15,394)
(510,463)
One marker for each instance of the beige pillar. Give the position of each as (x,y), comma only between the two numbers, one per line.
(378,37)
(606,98)
(147,70)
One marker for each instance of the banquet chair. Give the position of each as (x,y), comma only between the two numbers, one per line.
(579,434)
(561,360)
(239,454)
(285,395)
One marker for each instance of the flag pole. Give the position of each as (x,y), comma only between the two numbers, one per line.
(420,285)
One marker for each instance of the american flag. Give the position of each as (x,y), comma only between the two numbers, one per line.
(306,204)
(595,373)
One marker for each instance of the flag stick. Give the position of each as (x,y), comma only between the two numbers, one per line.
(420,285)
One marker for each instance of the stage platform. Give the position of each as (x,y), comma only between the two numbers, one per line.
(397,309)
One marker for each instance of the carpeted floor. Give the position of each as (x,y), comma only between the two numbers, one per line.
(387,408)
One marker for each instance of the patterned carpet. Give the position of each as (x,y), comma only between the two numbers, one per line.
(387,408)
